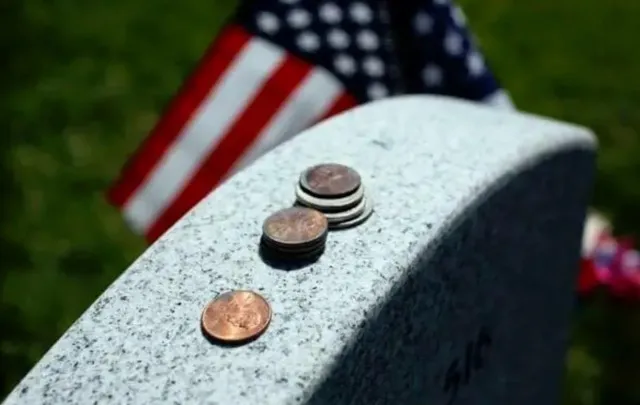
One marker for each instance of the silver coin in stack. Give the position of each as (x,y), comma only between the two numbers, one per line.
(336,191)
(348,214)
(364,215)
(329,204)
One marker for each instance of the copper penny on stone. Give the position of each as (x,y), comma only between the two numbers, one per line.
(330,180)
(236,316)
(295,227)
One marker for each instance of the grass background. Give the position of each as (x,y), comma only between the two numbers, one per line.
(83,81)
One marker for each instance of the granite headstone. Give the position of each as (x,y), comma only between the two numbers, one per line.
(458,290)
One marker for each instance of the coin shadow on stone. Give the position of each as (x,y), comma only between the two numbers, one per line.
(343,229)
(225,344)
(287,264)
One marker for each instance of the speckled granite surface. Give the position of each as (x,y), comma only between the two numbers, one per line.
(457,290)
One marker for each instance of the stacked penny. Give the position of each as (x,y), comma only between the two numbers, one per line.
(336,191)
(328,196)
(295,233)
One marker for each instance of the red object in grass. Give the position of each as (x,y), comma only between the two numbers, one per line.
(614,265)
(588,278)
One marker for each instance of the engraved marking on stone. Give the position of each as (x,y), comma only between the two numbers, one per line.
(462,368)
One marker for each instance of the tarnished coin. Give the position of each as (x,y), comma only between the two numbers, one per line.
(236,316)
(330,180)
(266,242)
(329,204)
(289,254)
(295,226)
(368,210)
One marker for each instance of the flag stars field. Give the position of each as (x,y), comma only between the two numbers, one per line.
(330,13)
(338,39)
(423,23)
(308,41)
(458,16)
(345,64)
(278,67)
(453,43)
(475,64)
(432,75)
(367,40)
(299,18)
(268,22)
(361,13)
(377,91)
(373,66)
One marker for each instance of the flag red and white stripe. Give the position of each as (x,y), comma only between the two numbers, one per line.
(246,97)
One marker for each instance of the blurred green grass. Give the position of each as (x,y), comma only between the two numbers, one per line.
(85,80)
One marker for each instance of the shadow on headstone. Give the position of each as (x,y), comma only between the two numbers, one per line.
(457,290)
(482,317)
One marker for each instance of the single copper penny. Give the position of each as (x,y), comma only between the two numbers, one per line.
(295,226)
(330,180)
(236,316)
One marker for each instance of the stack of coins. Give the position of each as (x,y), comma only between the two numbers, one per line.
(295,233)
(336,191)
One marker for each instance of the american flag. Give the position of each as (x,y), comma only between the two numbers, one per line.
(608,262)
(613,264)
(278,67)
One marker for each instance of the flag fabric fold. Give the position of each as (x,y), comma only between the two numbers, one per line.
(438,53)
(280,66)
